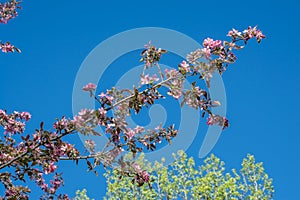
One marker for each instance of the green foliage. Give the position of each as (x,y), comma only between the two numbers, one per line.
(182,180)
(81,195)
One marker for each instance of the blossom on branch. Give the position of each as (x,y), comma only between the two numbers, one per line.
(8,10)
(41,151)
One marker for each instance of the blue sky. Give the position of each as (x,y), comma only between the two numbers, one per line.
(262,87)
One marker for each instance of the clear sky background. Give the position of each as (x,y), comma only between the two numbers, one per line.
(262,87)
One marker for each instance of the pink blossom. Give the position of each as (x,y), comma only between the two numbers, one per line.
(109,98)
(52,190)
(44,186)
(7,47)
(89,87)
(217,120)
(207,42)
(145,176)
(171,73)
(50,168)
(136,167)
(177,95)
(86,114)
(90,145)
(102,111)
(106,96)
(14,127)
(234,33)
(139,129)
(253,32)
(259,35)
(250,32)
(130,133)
(206,52)
(216,43)
(146,79)
(25,115)
(154,77)
(212,44)
(8,11)
(185,66)
(102,95)
(55,183)
(61,124)
(2,114)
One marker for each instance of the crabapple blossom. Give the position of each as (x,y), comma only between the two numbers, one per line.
(247,34)
(193,56)
(141,175)
(130,134)
(206,52)
(13,123)
(102,111)
(7,47)
(89,87)
(8,11)
(212,44)
(139,129)
(49,168)
(90,145)
(218,120)
(174,84)
(185,66)
(41,150)
(106,97)
(151,55)
(234,33)
(147,79)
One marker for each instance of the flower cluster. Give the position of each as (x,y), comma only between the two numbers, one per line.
(34,156)
(184,67)
(90,87)
(219,53)
(6,47)
(247,34)
(64,124)
(90,145)
(151,55)
(37,155)
(211,44)
(8,11)
(86,121)
(141,176)
(174,82)
(14,123)
(147,79)
(106,98)
(217,120)
(195,97)
(133,169)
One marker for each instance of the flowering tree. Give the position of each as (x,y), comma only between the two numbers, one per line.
(183,180)
(8,11)
(33,156)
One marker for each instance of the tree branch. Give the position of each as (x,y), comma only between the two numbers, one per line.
(36,146)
